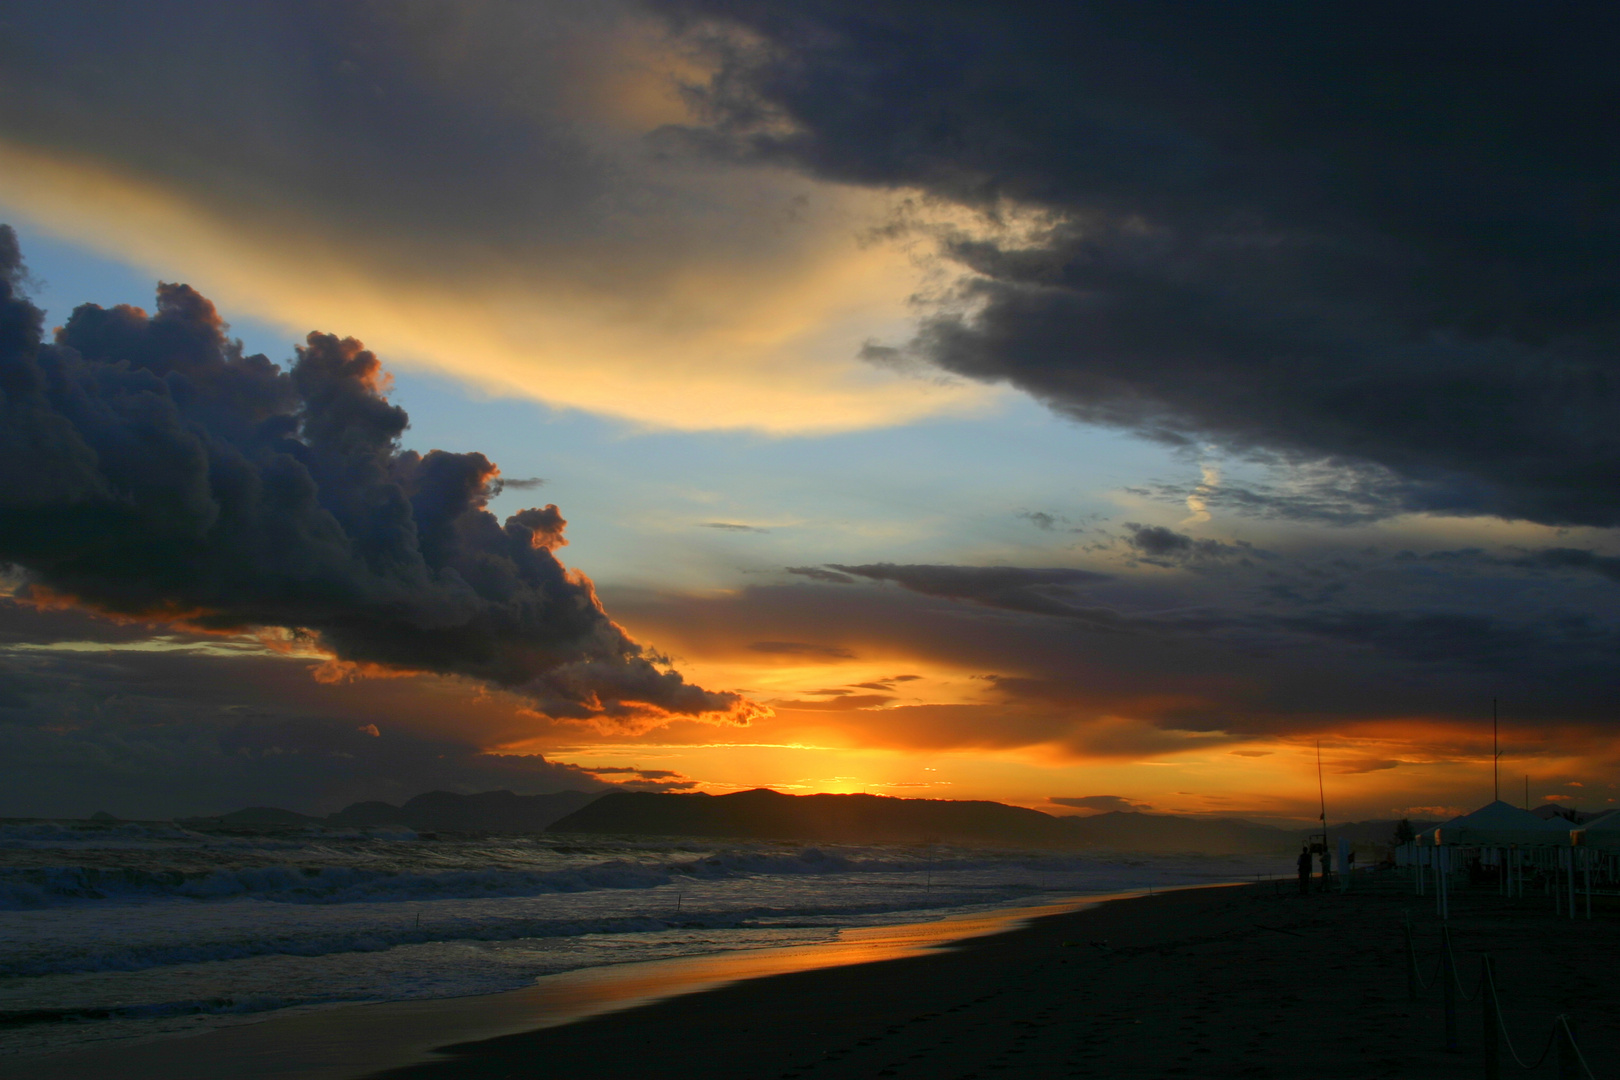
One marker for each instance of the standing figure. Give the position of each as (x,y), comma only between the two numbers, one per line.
(1304,871)
(1327,867)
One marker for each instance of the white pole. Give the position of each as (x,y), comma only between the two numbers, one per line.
(1439,884)
(1571,857)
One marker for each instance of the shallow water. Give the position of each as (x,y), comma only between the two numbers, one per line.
(132,931)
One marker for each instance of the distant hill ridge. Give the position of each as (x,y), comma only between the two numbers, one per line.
(489,811)
(770,815)
(766,814)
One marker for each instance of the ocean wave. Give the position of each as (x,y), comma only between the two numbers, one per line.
(217,1006)
(36,887)
(56,834)
(48,835)
(119,956)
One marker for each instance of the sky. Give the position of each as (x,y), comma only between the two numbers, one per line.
(1086,406)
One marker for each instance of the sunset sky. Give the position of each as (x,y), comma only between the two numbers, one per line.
(1086,406)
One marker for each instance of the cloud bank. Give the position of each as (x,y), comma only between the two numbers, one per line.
(480,189)
(150,470)
(1379,236)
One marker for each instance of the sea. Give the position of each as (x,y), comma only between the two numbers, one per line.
(134,931)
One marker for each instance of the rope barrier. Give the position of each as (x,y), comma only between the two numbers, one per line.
(1572,1063)
(1574,1048)
(1415,974)
(1501,1030)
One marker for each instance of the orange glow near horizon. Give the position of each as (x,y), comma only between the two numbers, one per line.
(828,735)
(1260,778)
(845,725)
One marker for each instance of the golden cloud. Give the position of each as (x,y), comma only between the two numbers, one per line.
(757,329)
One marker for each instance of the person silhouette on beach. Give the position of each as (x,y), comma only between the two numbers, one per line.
(1327,867)
(1304,871)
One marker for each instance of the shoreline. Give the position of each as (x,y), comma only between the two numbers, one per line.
(1207,982)
(1236,982)
(352,1041)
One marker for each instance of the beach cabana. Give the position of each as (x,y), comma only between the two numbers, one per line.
(1603,832)
(1598,845)
(1502,835)
(1500,824)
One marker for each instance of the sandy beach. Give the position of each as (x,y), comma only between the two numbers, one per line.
(1234,982)
(1248,981)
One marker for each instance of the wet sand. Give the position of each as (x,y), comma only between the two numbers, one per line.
(1236,982)
(347,1042)
(1249,981)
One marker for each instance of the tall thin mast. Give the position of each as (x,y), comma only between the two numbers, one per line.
(1496,758)
(1321,791)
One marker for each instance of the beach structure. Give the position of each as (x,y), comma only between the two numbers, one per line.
(1498,824)
(1510,841)
(1595,847)
(1602,832)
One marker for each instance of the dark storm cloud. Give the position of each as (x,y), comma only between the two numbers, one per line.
(1159,541)
(150,470)
(1163,546)
(1315,493)
(1381,235)
(172,86)
(1572,559)
(1546,559)
(1437,652)
(1251,609)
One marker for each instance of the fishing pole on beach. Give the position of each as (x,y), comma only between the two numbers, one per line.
(1321,792)
(1496,758)
(1321,789)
